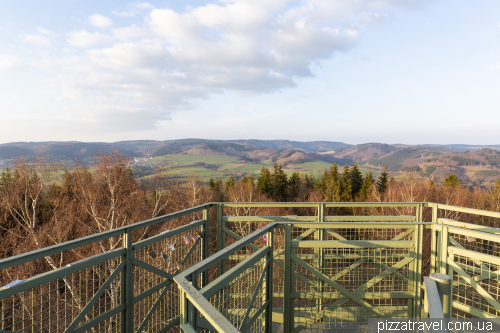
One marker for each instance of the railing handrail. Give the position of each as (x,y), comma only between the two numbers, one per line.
(199,297)
(432,306)
(226,252)
(47,251)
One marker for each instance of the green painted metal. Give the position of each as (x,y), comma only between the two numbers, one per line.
(205,243)
(432,304)
(94,299)
(353,244)
(228,276)
(418,271)
(199,298)
(269,283)
(288,321)
(220,238)
(365,225)
(316,255)
(129,283)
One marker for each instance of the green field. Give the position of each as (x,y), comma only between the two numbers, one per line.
(190,159)
(374,172)
(183,173)
(222,166)
(313,166)
(246,168)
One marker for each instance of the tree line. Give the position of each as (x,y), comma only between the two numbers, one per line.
(43,204)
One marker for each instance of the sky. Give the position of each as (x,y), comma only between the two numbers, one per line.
(355,71)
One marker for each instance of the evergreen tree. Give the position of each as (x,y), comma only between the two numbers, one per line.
(211,184)
(279,183)
(329,184)
(247,180)
(365,188)
(451,181)
(230,182)
(264,180)
(356,180)
(346,185)
(383,181)
(294,185)
(309,180)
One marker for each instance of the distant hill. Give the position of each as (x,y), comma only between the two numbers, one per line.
(473,164)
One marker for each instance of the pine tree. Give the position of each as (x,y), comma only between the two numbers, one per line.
(383,181)
(329,184)
(211,184)
(247,180)
(365,188)
(264,180)
(346,185)
(356,180)
(294,185)
(230,182)
(279,183)
(309,181)
(451,181)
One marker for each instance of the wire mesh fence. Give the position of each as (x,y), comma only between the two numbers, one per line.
(332,287)
(339,288)
(93,294)
(57,304)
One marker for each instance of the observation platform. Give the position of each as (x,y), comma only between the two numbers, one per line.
(261,267)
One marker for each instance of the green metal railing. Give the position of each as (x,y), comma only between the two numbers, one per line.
(239,299)
(320,266)
(438,294)
(129,289)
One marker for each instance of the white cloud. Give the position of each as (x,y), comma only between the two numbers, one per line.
(495,67)
(83,38)
(143,5)
(175,58)
(134,8)
(100,21)
(44,31)
(131,32)
(36,39)
(9,62)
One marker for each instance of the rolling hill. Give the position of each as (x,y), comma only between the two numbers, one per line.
(477,165)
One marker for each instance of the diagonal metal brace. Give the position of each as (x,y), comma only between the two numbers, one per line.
(277,252)
(264,273)
(96,297)
(365,286)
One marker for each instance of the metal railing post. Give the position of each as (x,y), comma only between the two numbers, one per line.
(445,287)
(434,240)
(204,244)
(288,309)
(443,256)
(318,253)
(220,239)
(418,272)
(129,283)
(269,284)
(432,305)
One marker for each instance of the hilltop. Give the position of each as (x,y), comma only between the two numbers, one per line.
(474,165)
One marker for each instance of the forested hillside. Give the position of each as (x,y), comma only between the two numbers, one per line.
(477,166)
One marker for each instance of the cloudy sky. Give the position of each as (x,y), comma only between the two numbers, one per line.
(393,71)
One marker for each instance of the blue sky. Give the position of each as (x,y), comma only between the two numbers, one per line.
(393,71)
